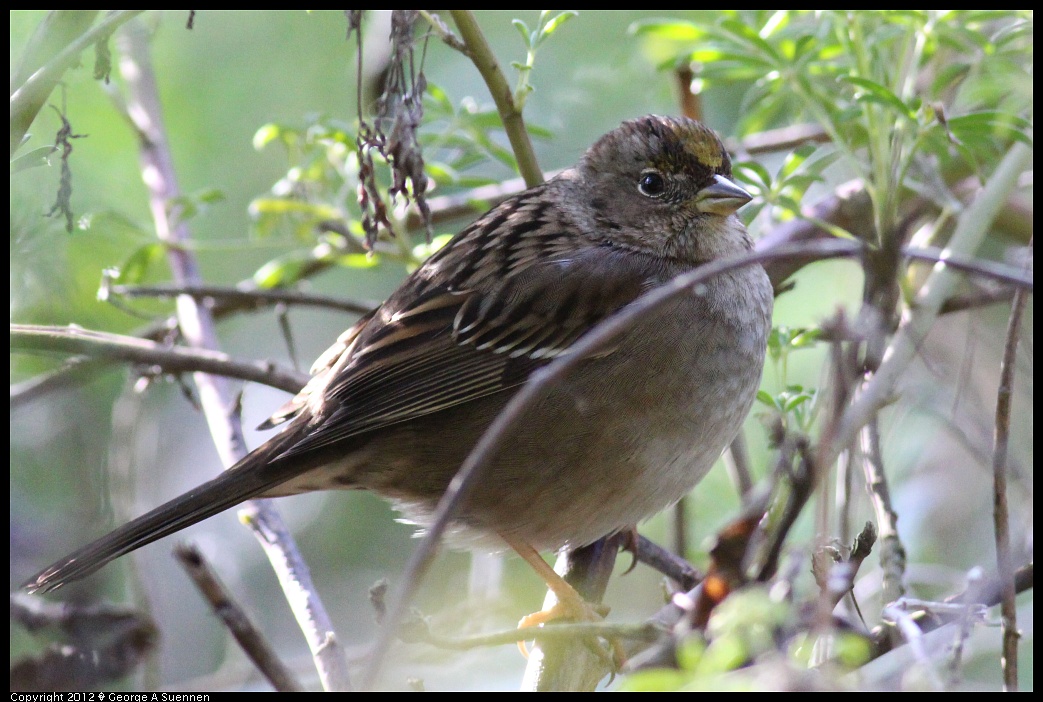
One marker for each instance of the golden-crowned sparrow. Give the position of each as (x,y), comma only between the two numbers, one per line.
(397,403)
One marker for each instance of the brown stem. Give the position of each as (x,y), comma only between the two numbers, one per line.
(235,618)
(1000,512)
(892,552)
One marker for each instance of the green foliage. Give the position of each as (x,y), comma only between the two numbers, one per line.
(461,137)
(795,405)
(316,198)
(533,38)
(785,192)
(32,159)
(320,180)
(744,632)
(886,86)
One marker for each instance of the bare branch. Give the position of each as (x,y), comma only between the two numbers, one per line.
(239,624)
(236,298)
(1000,515)
(177,359)
(197,324)
(892,552)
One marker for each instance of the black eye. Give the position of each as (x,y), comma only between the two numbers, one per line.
(651,184)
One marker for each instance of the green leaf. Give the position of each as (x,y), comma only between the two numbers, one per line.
(949,76)
(788,202)
(284,270)
(265,135)
(874,92)
(358,260)
(850,649)
(765,398)
(280,206)
(538,131)
(806,338)
(136,267)
(797,185)
(523,30)
(422,251)
(556,22)
(795,401)
(755,173)
(438,96)
(32,159)
(986,123)
(745,34)
(795,160)
(655,680)
(674,30)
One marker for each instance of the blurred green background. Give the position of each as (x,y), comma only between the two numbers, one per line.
(86,458)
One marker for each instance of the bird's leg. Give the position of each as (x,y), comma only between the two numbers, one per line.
(570,604)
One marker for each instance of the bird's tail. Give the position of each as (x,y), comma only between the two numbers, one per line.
(254,475)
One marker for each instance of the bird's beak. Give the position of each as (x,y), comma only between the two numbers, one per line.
(721,197)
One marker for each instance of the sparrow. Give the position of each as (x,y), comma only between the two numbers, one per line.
(399,400)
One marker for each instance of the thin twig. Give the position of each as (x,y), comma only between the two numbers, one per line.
(565,631)
(669,564)
(1000,513)
(235,298)
(239,623)
(780,139)
(737,461)
(914,638)
(1018,277)
(176,359)
(680,526)
(98,644)
(892,552)
(444,33)
(973,300)
(691,104)
(218,400)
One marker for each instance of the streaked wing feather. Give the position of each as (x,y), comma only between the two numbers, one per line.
(465,326)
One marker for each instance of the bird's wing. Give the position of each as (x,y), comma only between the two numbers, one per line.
(509,293)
